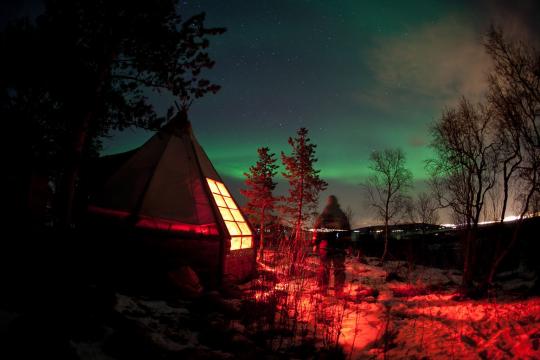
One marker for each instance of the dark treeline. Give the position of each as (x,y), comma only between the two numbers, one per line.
(78,71)
(68,78)
(443,247)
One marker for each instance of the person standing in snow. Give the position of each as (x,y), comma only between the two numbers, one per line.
(331,238)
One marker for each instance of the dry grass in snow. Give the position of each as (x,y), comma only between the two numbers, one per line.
(394,312)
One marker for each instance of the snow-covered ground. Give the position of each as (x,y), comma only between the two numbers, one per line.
(421,319)
(393,311)
(398,311)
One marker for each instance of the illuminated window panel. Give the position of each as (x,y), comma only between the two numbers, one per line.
(219,200)
(230,203)
(233,228)
(213,187)
(237,215)
(223,190)
(241,235)
(226,214)
(236,243)
(244,228)
(247,242)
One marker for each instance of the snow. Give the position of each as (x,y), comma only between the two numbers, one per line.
(413,316)
(152,314)
(394,311)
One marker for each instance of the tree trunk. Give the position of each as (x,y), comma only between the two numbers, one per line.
(385,251)
(261,235)
(386,219)
(71,174)
(300,210)
(505,200)
(296,248)
(80,138)
(467,279)
(502,255)
(488,281)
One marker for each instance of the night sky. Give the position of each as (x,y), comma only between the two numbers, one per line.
(360,75)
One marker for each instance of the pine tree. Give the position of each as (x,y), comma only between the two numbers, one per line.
(260,185)
(304,181)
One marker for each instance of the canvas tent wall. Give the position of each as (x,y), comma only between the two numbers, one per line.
(170,192)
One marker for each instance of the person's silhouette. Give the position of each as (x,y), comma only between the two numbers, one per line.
(331,237)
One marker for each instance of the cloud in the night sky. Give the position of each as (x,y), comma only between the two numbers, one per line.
(436,62)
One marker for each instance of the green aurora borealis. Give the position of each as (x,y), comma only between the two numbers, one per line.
(359,75)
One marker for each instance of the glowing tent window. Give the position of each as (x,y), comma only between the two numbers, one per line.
(241,236)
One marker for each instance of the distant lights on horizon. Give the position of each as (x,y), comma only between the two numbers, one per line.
(508,218)
(447,225)
(325,230)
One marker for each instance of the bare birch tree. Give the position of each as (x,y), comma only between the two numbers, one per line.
(387,186)
(464,170)
(424,209)
(514,94)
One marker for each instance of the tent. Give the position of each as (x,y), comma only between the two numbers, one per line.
(170,193)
